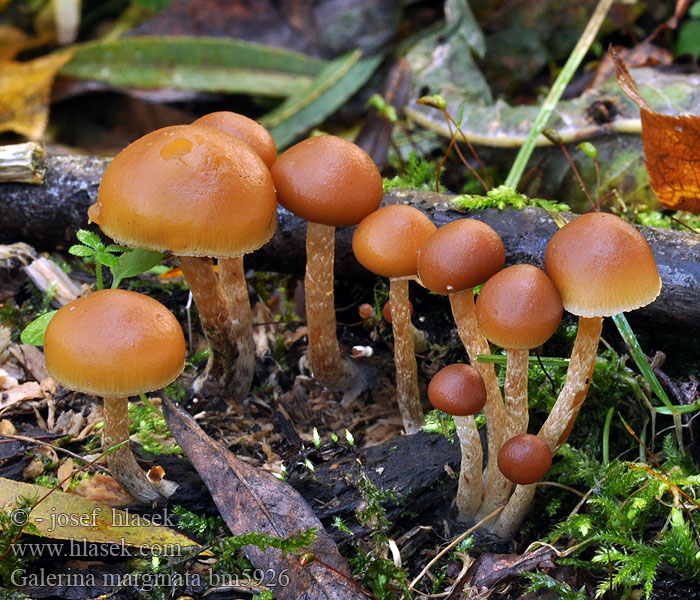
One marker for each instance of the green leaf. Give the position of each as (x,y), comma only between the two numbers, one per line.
(207,64)
(108,260)
(80,250)
(133,263)
(34,332)
(115,249)
(90,239)
(331,89)
(689,38)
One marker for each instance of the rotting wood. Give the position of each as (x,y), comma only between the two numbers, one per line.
(48,215)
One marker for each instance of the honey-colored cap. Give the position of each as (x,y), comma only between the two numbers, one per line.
(458,390)
(524,459)
(328,180)
(602,266)
(519,308)
(387,241)
(245,129)
(459,256)
(114,343)
(190,189)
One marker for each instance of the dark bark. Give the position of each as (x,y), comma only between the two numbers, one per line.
(48,215)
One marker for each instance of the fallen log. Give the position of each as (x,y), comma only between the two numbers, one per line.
(48,215)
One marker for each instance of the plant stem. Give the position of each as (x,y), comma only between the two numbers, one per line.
(98,273)
(562,80)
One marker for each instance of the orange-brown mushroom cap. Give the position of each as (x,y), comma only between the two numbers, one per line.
(459,256)
(387,241)
(245,129)
(190,189)
(114,343)
(458,390)
(519,308)
(602,266)
(524,459)
(328,180)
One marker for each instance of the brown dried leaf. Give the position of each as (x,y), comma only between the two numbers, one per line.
(250,499)
(491,570)
(671,148)
(26,91)
(25,391)
(103,489)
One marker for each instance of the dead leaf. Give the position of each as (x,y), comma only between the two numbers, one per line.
(65,471)
(490,570)
(644,54)
(26,91)
(82,519)
(7,428)
(250,499)
(103,489)
(671,148)
(25,391)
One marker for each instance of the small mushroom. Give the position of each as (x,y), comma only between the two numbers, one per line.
(518,309)
(601,266)
(459,390)
(525,459)
(231,270)
(386,242)
(116,344)
(331,183)
(197,192)
(455,259)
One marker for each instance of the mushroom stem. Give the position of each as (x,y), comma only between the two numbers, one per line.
(121,461)
(407,393)
(235,290)
(470,486)
(475,343)
(557,427)
(515,392)
(512,515)
(218,376)
(325,361)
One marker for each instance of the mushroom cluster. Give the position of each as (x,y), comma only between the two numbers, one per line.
(596,266)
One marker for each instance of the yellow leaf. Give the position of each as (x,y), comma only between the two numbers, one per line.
(14,40)
(25,92)
(671,148)
(63,516)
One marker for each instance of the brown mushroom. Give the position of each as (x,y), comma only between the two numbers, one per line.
(387,242)
(518,309)
(525,459)
(116,344)
(231,269)
(197,192)
(455,259)
(331,183)
(459,390)
(601,266)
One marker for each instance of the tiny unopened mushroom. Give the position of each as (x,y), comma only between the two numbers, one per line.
(455,259)
(387,242)
(459,390)
(331,183)
(518,309)
(524,459)
(116,344)
(197,192)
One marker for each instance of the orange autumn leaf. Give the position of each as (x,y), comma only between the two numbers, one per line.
(25,92)
(671,148)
